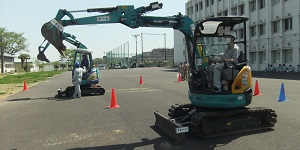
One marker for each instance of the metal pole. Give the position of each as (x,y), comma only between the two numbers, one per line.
(142,46)
(136,58)
(121,54)
(165,47)
(2,55)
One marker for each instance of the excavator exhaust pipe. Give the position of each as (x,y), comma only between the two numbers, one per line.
(52,34)
(169,127)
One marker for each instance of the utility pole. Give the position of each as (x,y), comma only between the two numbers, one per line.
(2,55)
(142,47)
(165,47)
(136,61)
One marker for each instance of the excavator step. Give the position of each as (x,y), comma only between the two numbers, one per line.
(174,130)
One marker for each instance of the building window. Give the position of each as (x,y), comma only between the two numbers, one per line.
(287,56)
(275,56)
(207,3)
(288,24)
(212,2)
(262,4)
(234,11)
(241,32)
(241,10)
(274,2)
(196,7)
(252,6)
(275,26)
(262,57)
(201,5)
(252,31)
(262,29)
(253,57)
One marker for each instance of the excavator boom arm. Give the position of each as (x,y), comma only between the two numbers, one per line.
(124,14)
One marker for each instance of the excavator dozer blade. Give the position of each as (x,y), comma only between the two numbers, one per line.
(168,127)
(52,34)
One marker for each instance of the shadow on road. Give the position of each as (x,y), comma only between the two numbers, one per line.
(192,142)
(38,98)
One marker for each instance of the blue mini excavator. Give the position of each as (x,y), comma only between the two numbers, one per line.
(209,114)
(89,84)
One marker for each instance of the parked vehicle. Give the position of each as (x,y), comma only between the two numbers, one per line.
(117,66)
(141,65)
(124,67)
(102,67)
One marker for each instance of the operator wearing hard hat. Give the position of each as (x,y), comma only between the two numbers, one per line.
(76,80)
(230,57)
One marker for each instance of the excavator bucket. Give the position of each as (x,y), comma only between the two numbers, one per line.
(54,35)
(169,127)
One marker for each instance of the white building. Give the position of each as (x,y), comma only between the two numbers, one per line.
(8,63)
(272,33)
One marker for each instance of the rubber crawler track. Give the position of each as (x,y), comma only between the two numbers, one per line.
(208,123)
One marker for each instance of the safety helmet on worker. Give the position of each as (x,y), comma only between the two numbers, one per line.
(231,33)
(77,64)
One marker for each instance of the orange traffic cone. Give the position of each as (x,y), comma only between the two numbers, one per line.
(179,78)
(141,80)
(256,90)
(25,86)
(113,103)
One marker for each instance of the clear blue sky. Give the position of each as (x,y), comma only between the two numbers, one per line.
(29,15)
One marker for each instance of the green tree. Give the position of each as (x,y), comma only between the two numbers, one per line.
(63,66)
(56,65)
(98,61)
(11,43)
(41,65)
(70,56)
(23,57)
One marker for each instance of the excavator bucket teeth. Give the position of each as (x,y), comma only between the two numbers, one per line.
(54,36)
(168,127)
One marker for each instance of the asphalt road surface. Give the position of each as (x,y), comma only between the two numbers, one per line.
(34,119)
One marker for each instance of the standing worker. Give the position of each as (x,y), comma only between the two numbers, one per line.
(186,70)
(76,79)
(230,57)
(181,71)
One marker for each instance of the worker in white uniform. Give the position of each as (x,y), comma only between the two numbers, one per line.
(76,79)
(230,57)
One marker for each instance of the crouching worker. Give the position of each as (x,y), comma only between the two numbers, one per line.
(94,74)
(230,57)
(76,80)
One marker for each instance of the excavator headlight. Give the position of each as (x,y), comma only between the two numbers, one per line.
(154,5)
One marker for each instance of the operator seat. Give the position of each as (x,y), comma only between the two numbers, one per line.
(230,72)
(241,61)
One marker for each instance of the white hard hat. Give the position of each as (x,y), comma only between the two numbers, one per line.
(231,33)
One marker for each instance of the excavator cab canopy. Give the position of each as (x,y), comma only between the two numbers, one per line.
(210,34)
